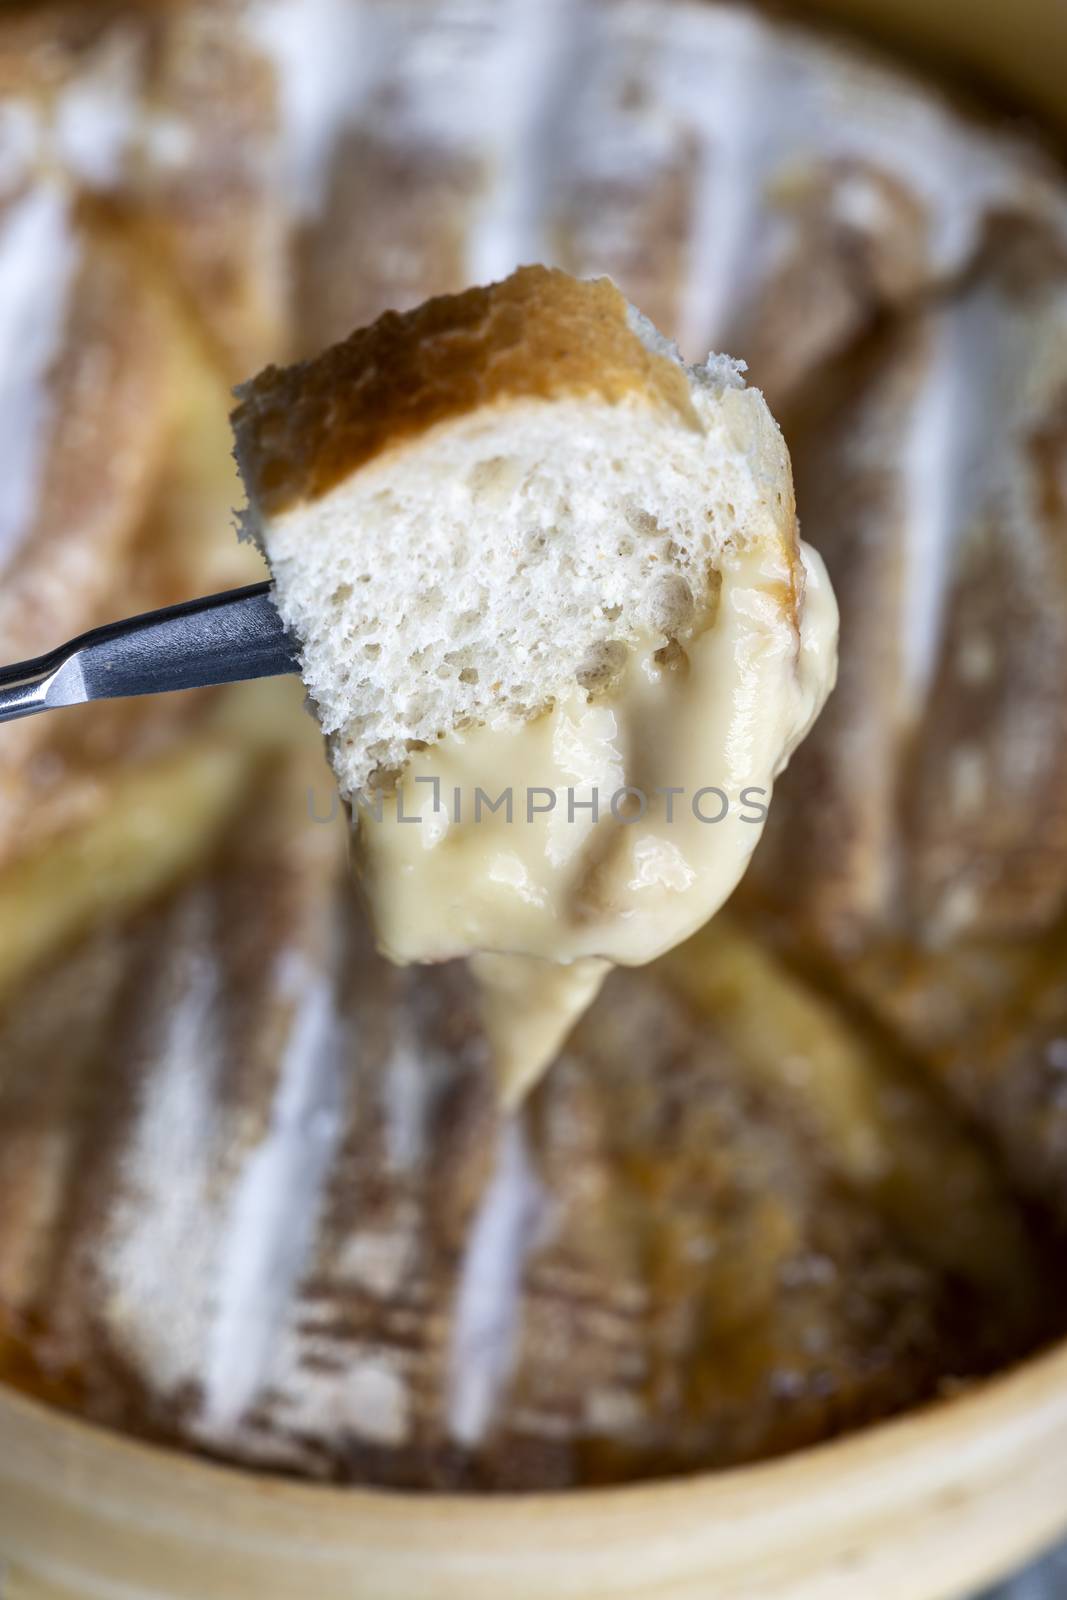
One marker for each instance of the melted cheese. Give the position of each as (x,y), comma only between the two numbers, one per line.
(607,829)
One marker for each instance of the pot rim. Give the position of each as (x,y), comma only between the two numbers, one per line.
(934,1503)
(985,1408)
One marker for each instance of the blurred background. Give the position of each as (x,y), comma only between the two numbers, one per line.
(716,1215)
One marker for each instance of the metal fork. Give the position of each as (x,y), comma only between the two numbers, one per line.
(220,638)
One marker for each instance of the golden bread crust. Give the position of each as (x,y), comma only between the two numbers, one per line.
(539,334)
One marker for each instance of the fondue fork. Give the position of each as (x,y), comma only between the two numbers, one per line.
(220,638)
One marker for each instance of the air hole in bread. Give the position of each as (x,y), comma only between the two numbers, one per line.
(670,607)
(712,597)
(603,667)
(642,521)
(495,480)
(672,657)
